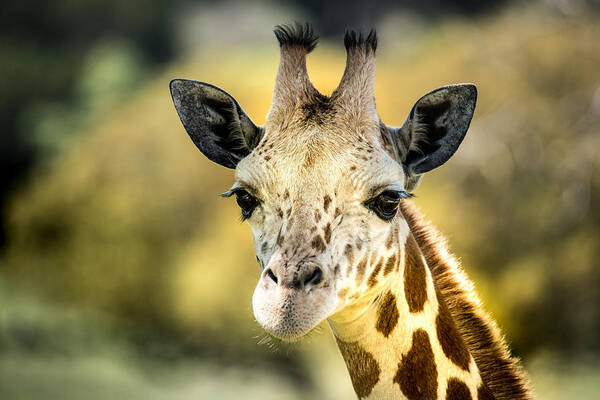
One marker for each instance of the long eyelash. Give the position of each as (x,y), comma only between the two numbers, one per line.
(231,192)
(405,195)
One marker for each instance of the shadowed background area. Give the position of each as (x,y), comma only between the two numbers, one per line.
(124,275)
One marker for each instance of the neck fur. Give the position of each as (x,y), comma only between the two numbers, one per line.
(424,335)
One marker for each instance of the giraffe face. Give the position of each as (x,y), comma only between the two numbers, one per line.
(319,184)
(324,222)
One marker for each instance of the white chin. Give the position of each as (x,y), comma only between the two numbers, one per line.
(285,322)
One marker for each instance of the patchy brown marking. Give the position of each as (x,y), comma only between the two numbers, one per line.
(264,246)
(318,244)
(267,158)
(336,270)
(352,167)
(288,212)
(360,270)
(387,317)
(326,202)
(317,109)
(313,229)
(349,253)
(280,212)
(483,393)
(415,283)
(362,366)
(389,265)
(390,239)
(337,213)
(452,343)
(457,390)
(279,240)
(317,215)
(501,372)
(286,194)
(417,373)
(358,244)
(328,233)
(373,276)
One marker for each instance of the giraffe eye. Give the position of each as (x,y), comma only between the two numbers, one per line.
(385,205)
(247,203)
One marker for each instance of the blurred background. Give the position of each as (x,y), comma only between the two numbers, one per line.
(124,275)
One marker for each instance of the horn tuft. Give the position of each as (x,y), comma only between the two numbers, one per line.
(297,35)
(353,39)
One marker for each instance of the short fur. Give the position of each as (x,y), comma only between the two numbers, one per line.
(501,373)
(297,35)
(357,39)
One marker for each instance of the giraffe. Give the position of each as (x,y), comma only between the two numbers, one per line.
(325,186)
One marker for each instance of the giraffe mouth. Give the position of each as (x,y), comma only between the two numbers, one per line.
(291,314)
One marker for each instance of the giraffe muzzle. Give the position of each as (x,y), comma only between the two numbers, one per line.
(290,300)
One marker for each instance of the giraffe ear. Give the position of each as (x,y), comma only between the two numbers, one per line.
(215,121)
(434,129)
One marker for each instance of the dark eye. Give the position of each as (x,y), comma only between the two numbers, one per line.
(385,205)
(247,202)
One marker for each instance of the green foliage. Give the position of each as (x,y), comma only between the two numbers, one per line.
(128,219)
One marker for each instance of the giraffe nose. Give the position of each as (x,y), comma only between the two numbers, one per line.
(304,276)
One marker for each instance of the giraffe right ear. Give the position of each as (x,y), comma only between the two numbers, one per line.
(215,121)
(434,129)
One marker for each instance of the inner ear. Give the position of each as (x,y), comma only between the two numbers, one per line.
(214,121)
(434,129)
(429,125)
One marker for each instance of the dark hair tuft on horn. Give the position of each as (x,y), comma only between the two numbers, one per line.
(354,39)
(297,35)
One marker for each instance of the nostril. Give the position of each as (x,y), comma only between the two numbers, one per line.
(315,278)
(271,275)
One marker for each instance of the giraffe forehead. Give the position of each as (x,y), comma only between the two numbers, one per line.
(316,167)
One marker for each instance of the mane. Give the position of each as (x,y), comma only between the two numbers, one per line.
(501,373)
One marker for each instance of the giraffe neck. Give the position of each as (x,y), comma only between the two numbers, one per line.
(402,343)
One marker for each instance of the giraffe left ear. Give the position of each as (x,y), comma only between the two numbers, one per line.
(215,121)
(434,129)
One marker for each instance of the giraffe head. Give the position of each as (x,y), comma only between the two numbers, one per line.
(320,183)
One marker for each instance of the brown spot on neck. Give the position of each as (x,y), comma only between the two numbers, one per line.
(415,282)
(387,317)
(417,373)
(373,276)
(362,366)
(457,390)
(360,270)
(452,343)
(327,233)
(326,202)
(389,265)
